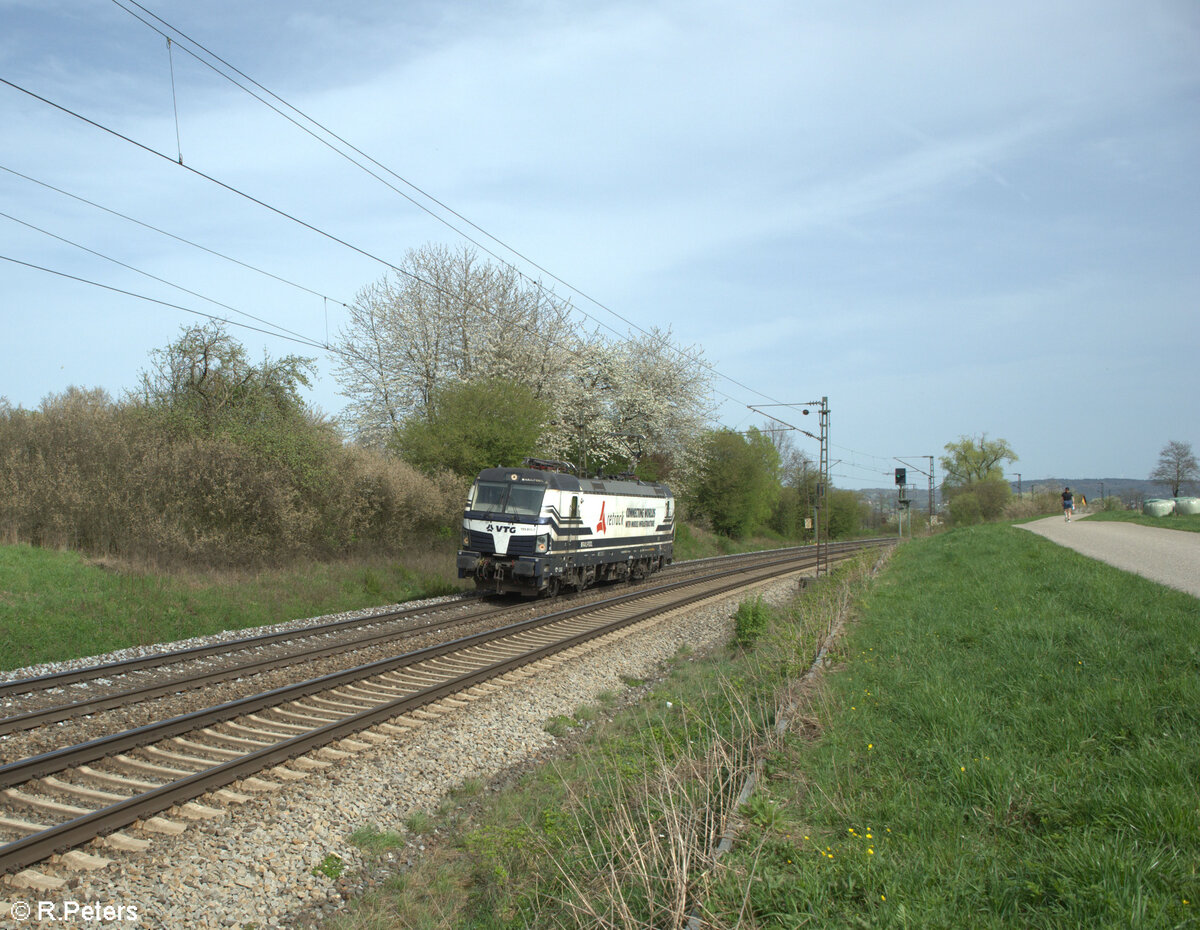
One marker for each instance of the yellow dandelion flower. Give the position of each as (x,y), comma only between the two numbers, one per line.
(883,897)
(870,852)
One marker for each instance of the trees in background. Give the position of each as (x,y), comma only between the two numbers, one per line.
(446,317)
(974,486)
(847,513)
(451,319)
(756,481)
(471,426)
(204,383)
(1177,466)
(799,479)
(739,482)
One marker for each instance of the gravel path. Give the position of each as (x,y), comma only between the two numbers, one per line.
(1170,557)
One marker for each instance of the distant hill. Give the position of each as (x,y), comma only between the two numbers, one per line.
(1130,490)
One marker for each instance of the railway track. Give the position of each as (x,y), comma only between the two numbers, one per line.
(64,798)
(37,701)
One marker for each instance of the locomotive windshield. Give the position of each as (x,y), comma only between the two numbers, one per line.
(502,497)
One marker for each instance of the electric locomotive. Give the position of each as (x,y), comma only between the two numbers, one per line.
(538,529)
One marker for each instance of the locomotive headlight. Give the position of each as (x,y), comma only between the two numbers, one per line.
(466,540)
(542,543)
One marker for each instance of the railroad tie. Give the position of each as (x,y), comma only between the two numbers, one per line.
(22,826)
(215,750)
(237,740)
(161,825)
(44,804)
(272,736)
(124,842)
(81,861)
(82,791)
(311,764)
(199,763)
(257,784)
(149,767)
(120,781)
(35,881)
(282,724)
(285,774)
(194,811)
(396,727)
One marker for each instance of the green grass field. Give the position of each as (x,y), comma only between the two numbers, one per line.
(1009,737)
(1014,741)
(56,605)
(1175,521)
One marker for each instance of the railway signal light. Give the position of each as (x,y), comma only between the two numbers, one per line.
(901,476)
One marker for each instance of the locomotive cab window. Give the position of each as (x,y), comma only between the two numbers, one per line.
(574,508)
(501,497)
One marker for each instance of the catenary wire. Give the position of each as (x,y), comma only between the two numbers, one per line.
(161,303)
(304,340)
(414,187)
(408,274)
(170,235)
(180,287)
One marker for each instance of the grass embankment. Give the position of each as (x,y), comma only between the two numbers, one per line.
(692,542)
(1174,521)
(56,605)
(1011,737)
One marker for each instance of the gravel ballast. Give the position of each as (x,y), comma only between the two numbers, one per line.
(256,866)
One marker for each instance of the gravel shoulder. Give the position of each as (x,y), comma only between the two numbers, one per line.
(1169,557)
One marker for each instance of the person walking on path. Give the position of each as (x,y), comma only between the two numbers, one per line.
(1068,500)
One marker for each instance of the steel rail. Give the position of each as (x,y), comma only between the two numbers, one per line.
(50,762)
(124,666)
(54,713)
(36,847)
(156,660)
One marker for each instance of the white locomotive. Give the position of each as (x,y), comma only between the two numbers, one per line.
(536,530)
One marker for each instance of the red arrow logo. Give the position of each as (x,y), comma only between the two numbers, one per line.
(600,527)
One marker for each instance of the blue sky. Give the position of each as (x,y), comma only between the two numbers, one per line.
(947,218)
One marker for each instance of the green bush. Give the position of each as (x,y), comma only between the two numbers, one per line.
(749,621)
(965,510)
